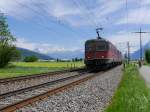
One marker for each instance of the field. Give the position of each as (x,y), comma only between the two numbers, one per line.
(26,68)
(132,95)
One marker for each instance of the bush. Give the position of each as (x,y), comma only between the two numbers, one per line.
(7,53)
(76,59)
(147,55)
(30,59)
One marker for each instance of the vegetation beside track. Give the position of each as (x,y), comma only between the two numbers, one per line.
(148,64)
(16,69)
(48,64)
(132,95)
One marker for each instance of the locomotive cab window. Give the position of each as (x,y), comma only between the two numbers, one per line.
(101,46)
(89,47)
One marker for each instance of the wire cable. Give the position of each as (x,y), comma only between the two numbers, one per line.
(77,4)
(90,13)
(42,18)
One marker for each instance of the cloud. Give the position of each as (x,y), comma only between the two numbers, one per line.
(72,12)
(120,40)
(43,47)
(78,13)
(97,14)
(16,8)
(145,2)
(61,8)
(137,14)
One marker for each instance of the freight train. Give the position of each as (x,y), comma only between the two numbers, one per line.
(100,53)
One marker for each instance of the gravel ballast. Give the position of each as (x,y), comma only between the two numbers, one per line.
(12,86)
(17,97)
(90,96)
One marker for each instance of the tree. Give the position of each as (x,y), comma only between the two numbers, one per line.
(73,59)
(57,60)
(147,55)
(80,59)
(7,48)
(30,59)
(76,59)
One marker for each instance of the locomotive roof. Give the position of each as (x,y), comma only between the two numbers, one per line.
(95,40)
(102,39)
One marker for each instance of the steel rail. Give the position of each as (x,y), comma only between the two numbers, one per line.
(12,79)
(20,104)
(8,94)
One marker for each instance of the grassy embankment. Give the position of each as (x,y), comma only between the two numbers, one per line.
(23,68)
(132,94)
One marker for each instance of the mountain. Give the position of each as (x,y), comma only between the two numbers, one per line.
(26,52)
(68,54)
(136,54)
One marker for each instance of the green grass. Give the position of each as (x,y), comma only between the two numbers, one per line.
(132,94)
(148,64)
(22,68)
(48,64)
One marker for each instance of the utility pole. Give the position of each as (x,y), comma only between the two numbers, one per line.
(128,45)
(141,32)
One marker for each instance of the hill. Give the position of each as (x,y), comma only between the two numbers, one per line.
(136,54)
(26,52)
(68,54)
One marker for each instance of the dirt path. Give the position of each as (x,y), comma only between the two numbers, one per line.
(145,72)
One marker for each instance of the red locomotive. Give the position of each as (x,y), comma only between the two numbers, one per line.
(100,53)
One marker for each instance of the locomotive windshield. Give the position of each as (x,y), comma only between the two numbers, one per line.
(101,46)
(89,46)
(96,46)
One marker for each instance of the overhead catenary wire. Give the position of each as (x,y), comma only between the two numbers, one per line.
(127,18)
(127,14)
(91,16)
(42,18)
(78,5)
(140,14)
(90,13)
(140,32)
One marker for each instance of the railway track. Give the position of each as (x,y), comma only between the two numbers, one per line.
(14,100)
(8,85)
(27,77)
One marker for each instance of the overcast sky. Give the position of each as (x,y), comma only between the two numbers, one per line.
(64,25)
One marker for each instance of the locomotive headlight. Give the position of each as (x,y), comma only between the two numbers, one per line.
(102,56)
